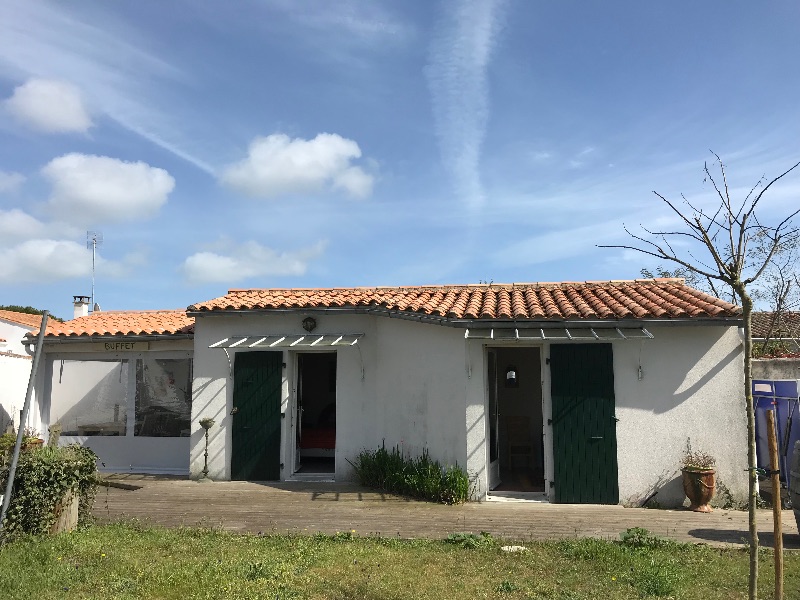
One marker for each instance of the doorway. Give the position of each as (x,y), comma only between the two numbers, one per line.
(515,435)
(315,431)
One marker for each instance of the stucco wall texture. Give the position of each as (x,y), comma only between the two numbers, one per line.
(424,387)
(776,368)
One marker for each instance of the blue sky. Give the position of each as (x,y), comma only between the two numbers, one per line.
(320,144)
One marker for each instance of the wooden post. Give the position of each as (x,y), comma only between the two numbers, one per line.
(772,441)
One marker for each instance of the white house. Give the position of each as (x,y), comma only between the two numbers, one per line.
(575,392)
(15,365)
(581,392)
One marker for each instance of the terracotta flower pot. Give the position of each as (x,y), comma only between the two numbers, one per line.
(699,486)
(31,443)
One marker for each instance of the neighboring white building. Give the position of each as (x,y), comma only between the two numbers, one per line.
(579,392)
(15,365)
(575,392)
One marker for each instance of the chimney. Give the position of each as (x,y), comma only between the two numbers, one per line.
(81,304)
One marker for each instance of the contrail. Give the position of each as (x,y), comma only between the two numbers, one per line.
(459,57)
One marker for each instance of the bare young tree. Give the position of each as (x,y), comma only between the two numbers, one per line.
(780,291)
(727,245)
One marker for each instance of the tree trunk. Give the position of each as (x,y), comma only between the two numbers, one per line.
(747,312)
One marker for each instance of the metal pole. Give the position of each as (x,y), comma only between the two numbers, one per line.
(94,251)
(23,419)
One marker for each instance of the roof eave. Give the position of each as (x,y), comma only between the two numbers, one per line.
(61,339)
(728,321)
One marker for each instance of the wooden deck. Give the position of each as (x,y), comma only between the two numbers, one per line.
(309,508)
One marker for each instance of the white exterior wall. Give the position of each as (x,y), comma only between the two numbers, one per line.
(692,388)
(424,387)
(15,371)
(413,392)
(119,454)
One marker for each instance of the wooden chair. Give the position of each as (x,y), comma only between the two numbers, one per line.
(519,440)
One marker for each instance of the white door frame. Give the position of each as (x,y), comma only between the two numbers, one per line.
(493,478)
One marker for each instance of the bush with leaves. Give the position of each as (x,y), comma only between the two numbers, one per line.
(43,476)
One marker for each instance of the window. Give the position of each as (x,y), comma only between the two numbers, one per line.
(163,406)
(90,397)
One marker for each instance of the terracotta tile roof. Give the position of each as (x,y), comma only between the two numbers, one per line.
(639,299)
(787,325)
(21,318)
(123,323)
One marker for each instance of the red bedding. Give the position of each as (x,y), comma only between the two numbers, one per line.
(318,437)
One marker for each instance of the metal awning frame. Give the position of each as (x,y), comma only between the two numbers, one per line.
(294,340)
(542,336)
(289,341)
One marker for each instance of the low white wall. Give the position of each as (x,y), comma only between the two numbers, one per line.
(776,368)
(411,395)
(157,455)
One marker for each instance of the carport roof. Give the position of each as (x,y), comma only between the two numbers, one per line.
(641,299)
(122,323)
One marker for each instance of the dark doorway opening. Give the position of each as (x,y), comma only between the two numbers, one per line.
(517,427)
(316,412)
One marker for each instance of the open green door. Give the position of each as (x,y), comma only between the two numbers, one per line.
(256,416)
(584,424)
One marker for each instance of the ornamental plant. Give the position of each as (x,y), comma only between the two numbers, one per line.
(697,461)
(44,475)
(417,477)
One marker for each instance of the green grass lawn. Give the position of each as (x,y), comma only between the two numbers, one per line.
(127,560)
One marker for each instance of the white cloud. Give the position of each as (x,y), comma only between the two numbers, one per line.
(10,181)
(555,245)
(460,55)
(44,260)
(117,72)
(88,189)
(17,225)
(50,106)
(277,165)
(247,260)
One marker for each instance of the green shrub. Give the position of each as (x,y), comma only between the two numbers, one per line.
(471,540)
(639,537)
(419,477)
(7,442)
(42,478)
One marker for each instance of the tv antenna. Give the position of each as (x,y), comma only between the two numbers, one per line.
(93,240)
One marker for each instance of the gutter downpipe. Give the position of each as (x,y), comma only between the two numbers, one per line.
(23,419)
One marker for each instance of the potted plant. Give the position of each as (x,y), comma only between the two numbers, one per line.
(31,439)
(699,479)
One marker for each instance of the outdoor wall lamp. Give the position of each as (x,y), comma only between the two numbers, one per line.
(511,377)
(309,324)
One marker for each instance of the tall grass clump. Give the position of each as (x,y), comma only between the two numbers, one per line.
(420,477)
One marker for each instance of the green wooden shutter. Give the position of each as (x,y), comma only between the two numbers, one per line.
(584,424)
(256,436)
